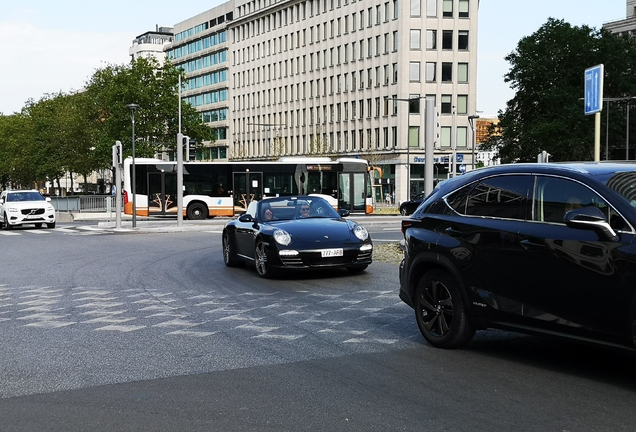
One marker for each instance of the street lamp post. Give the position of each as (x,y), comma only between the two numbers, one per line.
(471,122)
(133,107)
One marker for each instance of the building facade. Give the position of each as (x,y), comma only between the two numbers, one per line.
(627,25)
(334,77)
(151,44)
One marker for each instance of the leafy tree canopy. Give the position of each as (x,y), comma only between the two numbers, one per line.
(547,74)
(75,132)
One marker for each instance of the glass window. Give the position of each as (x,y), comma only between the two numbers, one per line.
(414,71)
(500,197)
(447,72)
(431,39)
(462,72)
(462,104)
(447,9)
(431,8)
(447,39)
(463,8)
(416,39)
(416,8)
(462,136)
(431,71)
(556,196)
(462,39)
(445,136)
(447,104)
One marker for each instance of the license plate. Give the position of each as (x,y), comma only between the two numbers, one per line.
(326,253)
(33,217)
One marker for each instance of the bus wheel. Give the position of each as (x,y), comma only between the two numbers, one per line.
(197,212)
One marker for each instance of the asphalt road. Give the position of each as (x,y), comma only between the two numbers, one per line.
(133,332)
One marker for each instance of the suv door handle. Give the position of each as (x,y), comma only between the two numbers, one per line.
(530,245)
(453,232)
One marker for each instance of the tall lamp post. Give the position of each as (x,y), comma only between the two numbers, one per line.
(133,107)
(471,122)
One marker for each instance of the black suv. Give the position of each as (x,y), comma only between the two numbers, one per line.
(539,248)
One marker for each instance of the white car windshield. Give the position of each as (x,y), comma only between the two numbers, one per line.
(24,196)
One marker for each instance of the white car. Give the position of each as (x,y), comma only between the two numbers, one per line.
(19,207)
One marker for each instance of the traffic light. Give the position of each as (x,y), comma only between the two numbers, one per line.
(117,158)
(192,150)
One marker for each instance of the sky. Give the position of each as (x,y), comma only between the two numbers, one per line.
(55,46)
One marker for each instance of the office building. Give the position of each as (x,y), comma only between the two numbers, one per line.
(334,77)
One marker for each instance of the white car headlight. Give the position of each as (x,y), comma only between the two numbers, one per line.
(360,232)
(282,237)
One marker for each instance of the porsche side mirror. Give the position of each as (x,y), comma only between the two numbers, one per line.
(246,218)
(344,212)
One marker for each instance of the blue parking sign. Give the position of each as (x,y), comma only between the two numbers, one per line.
(593,89)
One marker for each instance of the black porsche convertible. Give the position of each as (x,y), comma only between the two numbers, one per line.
(297,232)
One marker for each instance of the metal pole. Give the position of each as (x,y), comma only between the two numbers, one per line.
(179,166)
(134,182)
(597,137)
(179,179)
(627,135)
(117,186)
(429,148)
(133,107)
(597,119)
(454,143)
(471,121)
(408,160)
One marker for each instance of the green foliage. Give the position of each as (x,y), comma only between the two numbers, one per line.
(547,74)
(75,132)
(155,89)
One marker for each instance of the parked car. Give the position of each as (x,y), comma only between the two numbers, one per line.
(295,232)
(538,248)
(408,207)
(21,207)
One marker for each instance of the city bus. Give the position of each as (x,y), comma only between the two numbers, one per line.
(226,188)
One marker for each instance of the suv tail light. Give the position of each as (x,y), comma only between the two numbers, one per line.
(406,224)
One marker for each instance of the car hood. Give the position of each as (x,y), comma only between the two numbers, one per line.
(317,229)
(28,204)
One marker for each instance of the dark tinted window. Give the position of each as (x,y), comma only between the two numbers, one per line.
(501,197)
(555,196)
(625,184)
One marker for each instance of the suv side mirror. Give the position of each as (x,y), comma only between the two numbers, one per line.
(590,218)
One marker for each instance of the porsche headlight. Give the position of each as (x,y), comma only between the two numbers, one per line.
(360,232)
(282,237)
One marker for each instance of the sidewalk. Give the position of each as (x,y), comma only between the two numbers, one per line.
(169,224)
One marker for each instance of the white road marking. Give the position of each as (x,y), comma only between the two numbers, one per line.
(192,333)
(121,328)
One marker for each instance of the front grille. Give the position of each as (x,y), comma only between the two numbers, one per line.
(365,255)
(33,211)
(292,261)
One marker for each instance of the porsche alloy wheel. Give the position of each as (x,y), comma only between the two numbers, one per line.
(260,260)
(440,311)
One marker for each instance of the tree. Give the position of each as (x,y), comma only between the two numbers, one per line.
(155,89)
(547,74)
